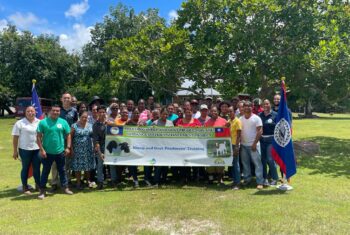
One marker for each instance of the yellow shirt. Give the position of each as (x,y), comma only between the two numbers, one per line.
(235,125)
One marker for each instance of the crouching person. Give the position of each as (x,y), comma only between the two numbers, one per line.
(52,133)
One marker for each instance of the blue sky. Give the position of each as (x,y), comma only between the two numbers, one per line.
(71,20)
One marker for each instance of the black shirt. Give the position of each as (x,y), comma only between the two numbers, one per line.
(269,122)
(99,135)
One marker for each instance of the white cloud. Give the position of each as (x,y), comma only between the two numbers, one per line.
(173,15)
(25,20)
(77,39)
(3,24)
(78,9)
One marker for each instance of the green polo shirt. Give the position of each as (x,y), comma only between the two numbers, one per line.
(54,133)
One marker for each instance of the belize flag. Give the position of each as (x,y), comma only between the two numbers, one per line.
(282,145)
(36,103)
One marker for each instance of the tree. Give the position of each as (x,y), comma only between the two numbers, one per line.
(24,57)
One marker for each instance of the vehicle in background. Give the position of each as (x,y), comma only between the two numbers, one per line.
(23,102)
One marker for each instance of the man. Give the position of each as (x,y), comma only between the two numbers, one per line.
(52,134)
(171,113)
(130,106)
(240,109)
(268,118)
(276,102)
(235,128)
(113,100)
(208,101)
(150,103)
(99,140)
(257,106)
(74,102)
(70,114)
(204,117)
(250,136)
(215,121)
(194,106)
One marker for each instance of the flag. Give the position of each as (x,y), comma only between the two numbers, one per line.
(39,114)
(222,132)
(282,145)
(36,102)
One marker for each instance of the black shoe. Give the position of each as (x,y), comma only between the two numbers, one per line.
(54,188)
(99,186)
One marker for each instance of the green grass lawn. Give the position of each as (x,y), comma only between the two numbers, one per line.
(319,203)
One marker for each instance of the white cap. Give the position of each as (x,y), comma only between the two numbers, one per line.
(203,106)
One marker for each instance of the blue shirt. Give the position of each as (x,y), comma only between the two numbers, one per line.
(70,115)
(172,117)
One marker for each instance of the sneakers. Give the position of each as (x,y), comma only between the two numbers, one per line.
(266,183)
(41,194)
(136,184)
(67,191)
(148,184)
(26,190)
(259,187)
(273,183)
(235,187)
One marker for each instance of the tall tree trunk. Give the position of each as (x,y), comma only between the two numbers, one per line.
(308,108)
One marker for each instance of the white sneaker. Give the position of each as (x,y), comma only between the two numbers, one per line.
(273,183)
(148,183)
(136,184)
(266,183)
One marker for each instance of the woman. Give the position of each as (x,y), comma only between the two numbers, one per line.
(82,107)
(161,172)
(25,146)
(224,110)
(145,114)
(187,121)
(83,160)
(124,117)
(134,121)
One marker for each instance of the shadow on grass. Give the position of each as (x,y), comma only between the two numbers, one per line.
(333,159)
(273,191)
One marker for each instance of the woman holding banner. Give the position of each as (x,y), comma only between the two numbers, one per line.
(187,121)
(25,146)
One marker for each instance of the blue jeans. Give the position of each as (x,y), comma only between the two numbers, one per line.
(30,157)
(99,168)
(248,155)
(160,174)
(133,172)
(148,173)
(47,163)
(236,171)
(266,159)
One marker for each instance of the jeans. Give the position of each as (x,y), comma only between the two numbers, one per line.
(47,163)
(30,157)
(133,172)
(160,174)
(248,155)
(148,173)
(99,168)
(266,159)
(236,171)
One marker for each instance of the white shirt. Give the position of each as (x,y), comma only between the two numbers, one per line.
(27,133)
(196,115)
(249,126)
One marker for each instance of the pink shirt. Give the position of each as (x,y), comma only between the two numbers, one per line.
(144,116)
(219,122)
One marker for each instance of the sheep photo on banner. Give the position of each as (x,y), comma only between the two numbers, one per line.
(168,146)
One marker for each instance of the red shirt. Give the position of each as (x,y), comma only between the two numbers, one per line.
(219,122)
(195,123)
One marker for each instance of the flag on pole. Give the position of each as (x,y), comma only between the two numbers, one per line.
(39,114)
(282,145)
(36,102)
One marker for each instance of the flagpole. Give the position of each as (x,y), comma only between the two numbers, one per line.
(285,185)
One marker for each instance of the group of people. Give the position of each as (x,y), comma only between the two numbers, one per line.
(71,141)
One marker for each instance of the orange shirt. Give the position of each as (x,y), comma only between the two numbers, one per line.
(120,122)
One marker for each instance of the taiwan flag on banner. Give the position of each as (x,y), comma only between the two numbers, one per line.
(36,103)
(282,145)
(222,132)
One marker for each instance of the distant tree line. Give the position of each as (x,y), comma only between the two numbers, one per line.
(231,45)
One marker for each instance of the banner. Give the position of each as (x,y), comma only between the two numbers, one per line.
(168,146)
